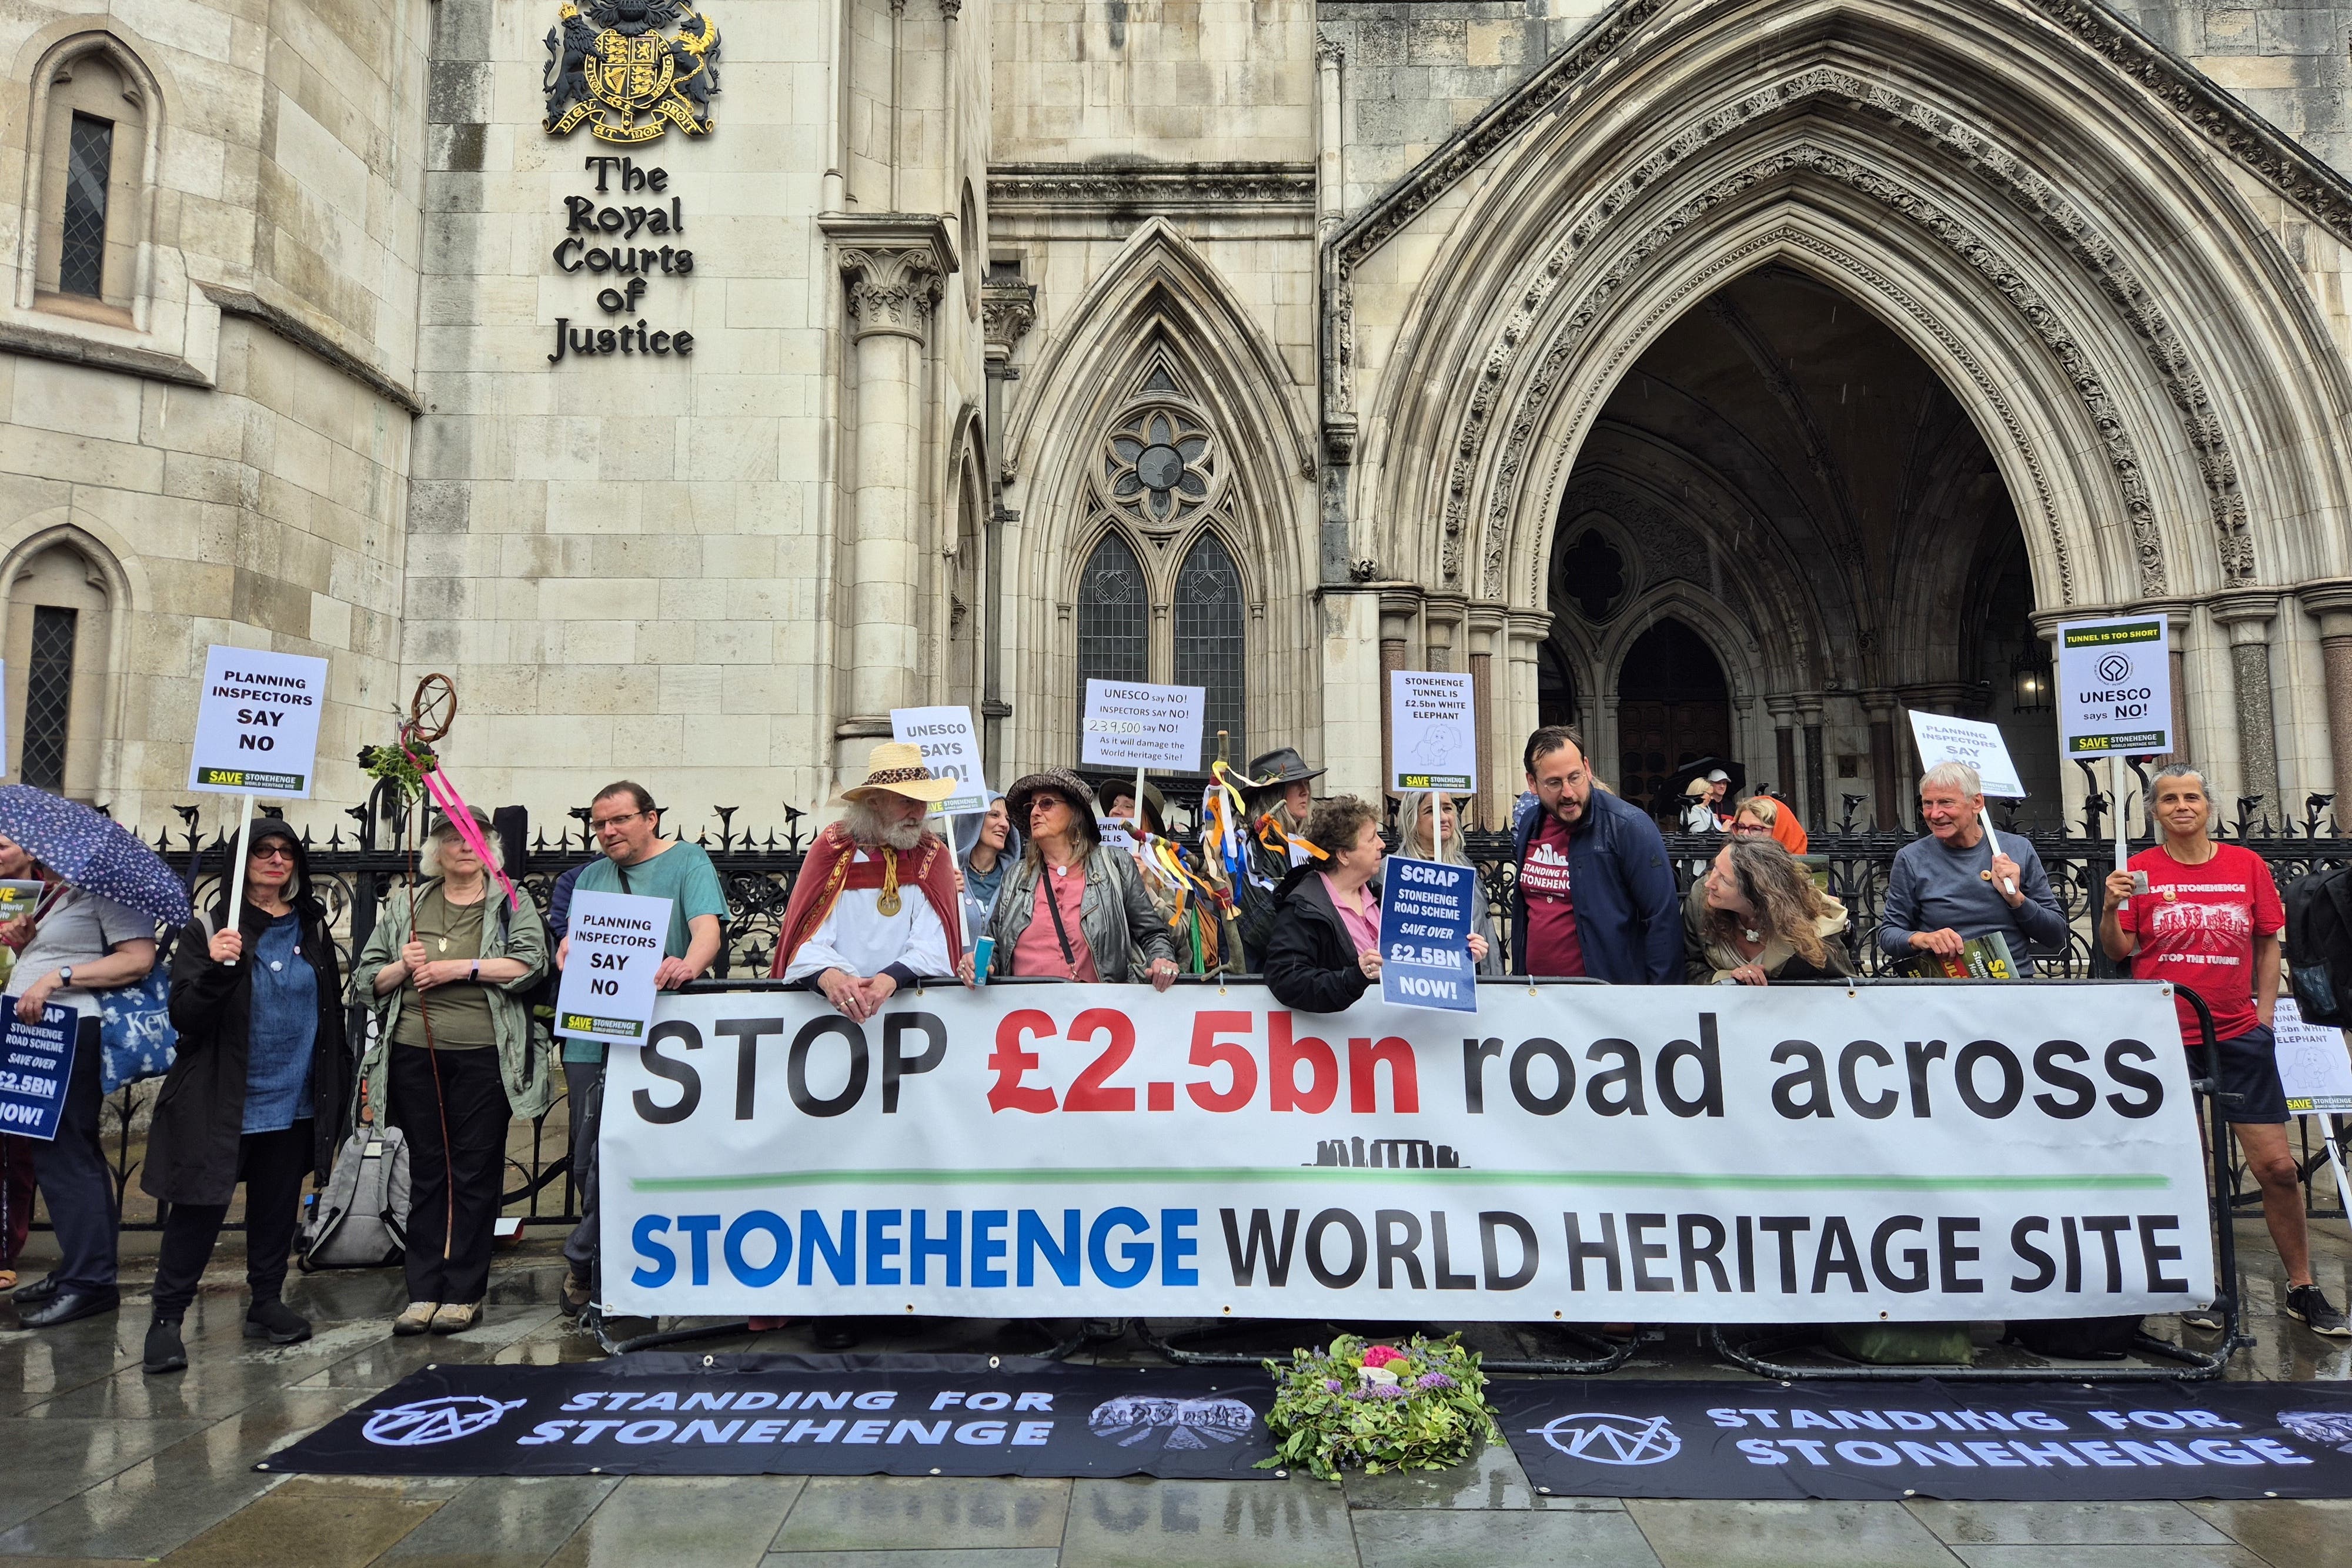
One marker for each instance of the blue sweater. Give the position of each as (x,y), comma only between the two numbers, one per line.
(1932,888)
(1628,916)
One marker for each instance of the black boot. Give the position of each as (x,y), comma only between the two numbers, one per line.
(276,1321)
(165,1350)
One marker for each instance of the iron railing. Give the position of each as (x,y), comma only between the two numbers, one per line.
(354,873)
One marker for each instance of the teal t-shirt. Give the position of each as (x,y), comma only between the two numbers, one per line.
(683,875)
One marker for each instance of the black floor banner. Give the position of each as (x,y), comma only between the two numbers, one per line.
(2019,1442)
(672,1414)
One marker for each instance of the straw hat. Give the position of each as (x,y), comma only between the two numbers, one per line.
(896,767)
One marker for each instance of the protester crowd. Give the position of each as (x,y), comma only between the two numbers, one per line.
(1053,880)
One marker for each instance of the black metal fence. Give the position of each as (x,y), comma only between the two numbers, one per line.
(356,872)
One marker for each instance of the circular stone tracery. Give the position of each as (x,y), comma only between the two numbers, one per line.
(1160,465)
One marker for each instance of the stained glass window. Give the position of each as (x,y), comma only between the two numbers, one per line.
(1114,616)
(49,695)
(1209,641)
(90,158)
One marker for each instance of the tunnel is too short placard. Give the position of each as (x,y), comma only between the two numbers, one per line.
(258,724)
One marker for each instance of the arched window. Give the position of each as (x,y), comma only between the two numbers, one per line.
(1208,641)
(1114,617)
(92,153)
(56,647)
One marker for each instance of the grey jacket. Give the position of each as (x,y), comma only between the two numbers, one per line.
(1123,929)
(523,1064)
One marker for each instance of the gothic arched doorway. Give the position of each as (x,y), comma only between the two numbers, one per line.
(1673,707)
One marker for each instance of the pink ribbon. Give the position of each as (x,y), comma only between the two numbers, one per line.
(453,806)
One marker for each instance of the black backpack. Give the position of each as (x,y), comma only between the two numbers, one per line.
(2319,945)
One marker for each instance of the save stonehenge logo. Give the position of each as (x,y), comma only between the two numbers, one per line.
(442,1420)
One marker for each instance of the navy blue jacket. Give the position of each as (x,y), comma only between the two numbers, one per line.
(1627,915)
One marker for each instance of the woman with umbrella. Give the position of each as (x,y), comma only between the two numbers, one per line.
(256,1091)
(93,931)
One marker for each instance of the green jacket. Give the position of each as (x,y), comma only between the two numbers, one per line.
(524,1063)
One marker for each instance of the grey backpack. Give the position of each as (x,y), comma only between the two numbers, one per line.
(360,1220)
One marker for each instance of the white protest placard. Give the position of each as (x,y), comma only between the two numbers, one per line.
(608,991)
(2313,1065)
(1130,724)
(258,724)
(1435,723)
(1979,746)
(2114,687)
(950,748)
(1115,834)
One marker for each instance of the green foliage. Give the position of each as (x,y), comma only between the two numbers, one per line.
(390,762)
(1326,1416)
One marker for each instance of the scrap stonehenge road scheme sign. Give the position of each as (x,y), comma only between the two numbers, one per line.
(1130,724)
(950,748)
(608,991)
(2114,687)
(258,724)
(1585,1154)
(1434,728)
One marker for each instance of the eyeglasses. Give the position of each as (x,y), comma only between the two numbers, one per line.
(1750,828)
(273,852)
(602,823)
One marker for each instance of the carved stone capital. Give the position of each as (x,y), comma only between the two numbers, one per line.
(1007,312)
(1329,50)
(895,268)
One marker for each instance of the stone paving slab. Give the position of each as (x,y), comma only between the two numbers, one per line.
(103,1463)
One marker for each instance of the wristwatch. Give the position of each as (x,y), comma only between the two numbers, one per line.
(65,976)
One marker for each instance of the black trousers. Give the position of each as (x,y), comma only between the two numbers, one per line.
(74,1179)
(584,1084)
(271,1165)
(454,1195)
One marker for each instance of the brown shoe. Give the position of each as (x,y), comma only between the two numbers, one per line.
(454,1318)
(415,1319)
(576,1294)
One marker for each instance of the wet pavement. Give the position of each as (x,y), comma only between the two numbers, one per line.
(102,1463)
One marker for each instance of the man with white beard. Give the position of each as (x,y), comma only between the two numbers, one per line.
(851,928)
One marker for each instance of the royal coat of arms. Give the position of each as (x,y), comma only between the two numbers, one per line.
(611,64)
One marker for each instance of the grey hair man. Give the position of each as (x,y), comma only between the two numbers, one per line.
(1966,879)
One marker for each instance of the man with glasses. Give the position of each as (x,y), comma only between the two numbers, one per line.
(638,860)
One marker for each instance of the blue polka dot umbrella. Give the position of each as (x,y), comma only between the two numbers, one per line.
(91,852)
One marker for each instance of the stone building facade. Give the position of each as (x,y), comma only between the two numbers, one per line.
(1723,375)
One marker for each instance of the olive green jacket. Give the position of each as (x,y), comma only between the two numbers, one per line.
(524,1063)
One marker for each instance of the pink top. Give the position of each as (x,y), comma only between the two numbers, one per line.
(1363,922)
(1039,950)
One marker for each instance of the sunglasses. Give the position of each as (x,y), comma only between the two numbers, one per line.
(272,852)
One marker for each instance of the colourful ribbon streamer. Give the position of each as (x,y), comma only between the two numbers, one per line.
(453,806)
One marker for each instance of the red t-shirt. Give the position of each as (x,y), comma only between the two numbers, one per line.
(2197,925)
(1553,946)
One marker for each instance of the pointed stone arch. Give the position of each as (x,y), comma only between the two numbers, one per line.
(1159,337)
(1880,141)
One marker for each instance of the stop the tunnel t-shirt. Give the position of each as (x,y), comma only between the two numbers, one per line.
(2197,925)
(1553,946)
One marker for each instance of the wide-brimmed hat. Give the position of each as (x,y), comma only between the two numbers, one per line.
(1273,769)
(1060,781)
(896,768)
(1155,804)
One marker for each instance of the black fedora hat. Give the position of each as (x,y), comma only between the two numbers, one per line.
(1282,765)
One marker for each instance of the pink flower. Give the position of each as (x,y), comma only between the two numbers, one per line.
(1380,1356)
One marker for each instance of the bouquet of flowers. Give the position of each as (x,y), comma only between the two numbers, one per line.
(1419,1407)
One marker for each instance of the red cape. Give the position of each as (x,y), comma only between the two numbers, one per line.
(928,866)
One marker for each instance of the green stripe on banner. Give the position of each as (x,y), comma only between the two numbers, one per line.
(1860,1183)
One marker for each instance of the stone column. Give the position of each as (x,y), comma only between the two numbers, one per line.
(1808,709)
(1398,606)
(1486,623)
(2247,618)
(1785,777)
(1330,149)
(894,268)
(1529,628)
(1885,753)
(2177,616)
(2331,604)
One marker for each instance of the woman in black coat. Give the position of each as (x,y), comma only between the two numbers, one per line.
(256,1091)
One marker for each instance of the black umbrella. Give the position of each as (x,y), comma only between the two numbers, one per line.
(1668,801)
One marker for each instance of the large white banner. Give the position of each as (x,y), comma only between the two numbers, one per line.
(1586,1154)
